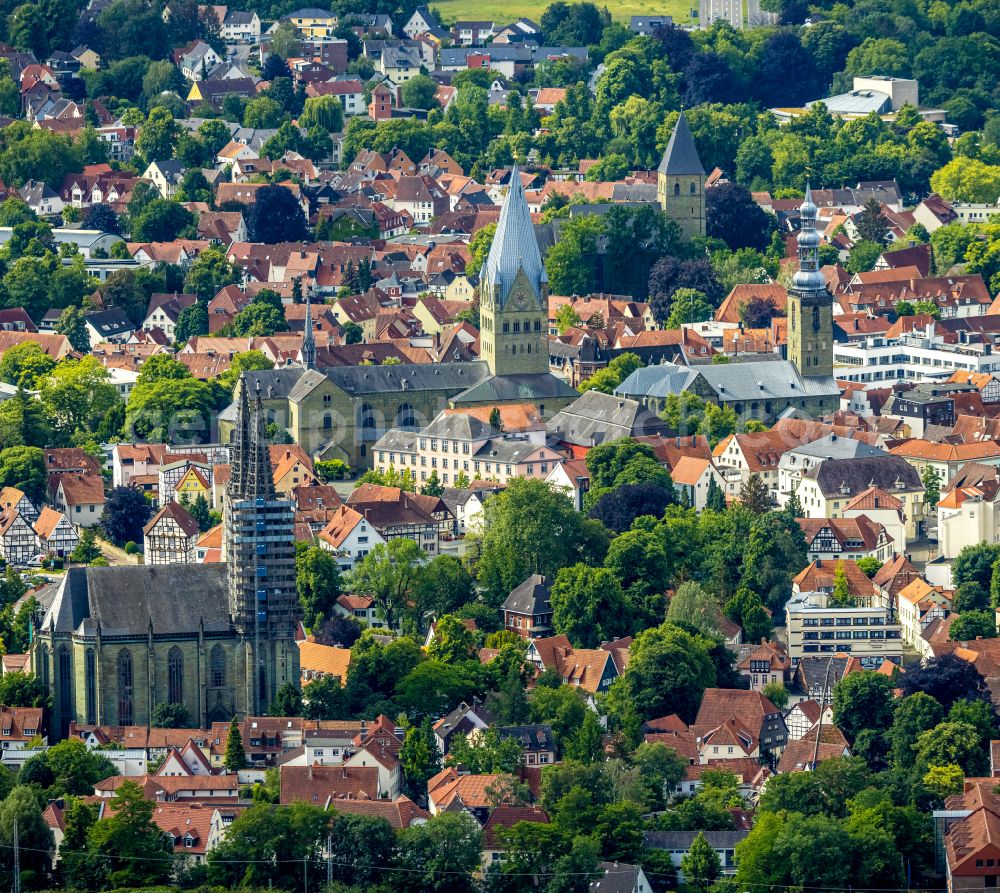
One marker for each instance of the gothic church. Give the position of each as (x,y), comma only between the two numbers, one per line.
(217,638)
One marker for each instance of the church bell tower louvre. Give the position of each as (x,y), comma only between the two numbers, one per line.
(259,540)
(810,304)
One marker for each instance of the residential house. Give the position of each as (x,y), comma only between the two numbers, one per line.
(765,664)
(971,846)
(323,785)
(12,497)
(463,720)
(18,543)
(678,845)
(880,507)
(389,773)
(313,22)
(196,60)
(472,33)
(350,536)
(920,604)
(526,611)
(691,476)
(81,497)
(466,504)
(322,661)
(111,325)
(19,725)
(945,459)
(360,607)
(351,93)
(804,715)
(164,311)
(420,22)
(830,539)
(41,198)
(56,535)
(449,790)
(829,488)
(394,512)
(537,743)
(753,713)
(591,669)
(240,26)
(170,536)
(500,819)
(967,513)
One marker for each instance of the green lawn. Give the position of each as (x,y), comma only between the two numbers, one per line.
(504,12)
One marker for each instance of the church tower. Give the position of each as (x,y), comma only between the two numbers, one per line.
(308,351)
(680,181)
(810,304)
(514,293)
(259,540)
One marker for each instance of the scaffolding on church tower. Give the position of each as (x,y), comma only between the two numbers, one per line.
(259,537)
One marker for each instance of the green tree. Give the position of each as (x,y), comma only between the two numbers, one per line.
(862,701)
(35,841)
(24,364)
(158,135)
(419,757)
(86,549)
(692,605)
(439,856)
(420,92)
(287,701)
(135,851)
(841,596)
(235,757)
(531,528)
(479,248)
(588,605)
(444,586)
(956,743)
(171,716)
(668,672)
(23,690)
(126,511)
(572,262)
(317,579)
(487,752)
(162,220)
(453,641)
(387,574)
(688,305)
(932,486)
(73,325)
(973,625)
(754,495)
(24,468)
(210,272)
(701,864)
(323,111)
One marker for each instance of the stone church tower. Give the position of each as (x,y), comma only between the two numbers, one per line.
(680,181)
(514,293)
(810,304)
(259,538)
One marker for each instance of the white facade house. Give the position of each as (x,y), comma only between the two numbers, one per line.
(18,543)
(349,536)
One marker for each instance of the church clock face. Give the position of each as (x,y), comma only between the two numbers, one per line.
(519,299)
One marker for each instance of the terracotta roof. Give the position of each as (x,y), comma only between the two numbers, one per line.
(48,520)
(947,452)
(721,704)
(179,514)
(320,784)
(324,660)
(469,790)
(874,498)
(506,817)
(400,813)
(804,754)
(340,526)
(773,652)
(850,533)
(355,602)
(820,575)
(81,489)
(689,470)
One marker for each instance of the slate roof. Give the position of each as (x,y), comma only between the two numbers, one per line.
(766,380)
(850,477)
(681,157)
(510,388)
(514,244)
(124,600)
(408,377)
(531,597)
(599,418)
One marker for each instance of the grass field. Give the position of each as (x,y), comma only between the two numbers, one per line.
(510,10)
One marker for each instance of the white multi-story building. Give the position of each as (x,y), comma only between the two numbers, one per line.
(912,357)
(814,627)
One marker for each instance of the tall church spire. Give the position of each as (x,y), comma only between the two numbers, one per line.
(514,247)
(808,276)
(250,475)
(308,338)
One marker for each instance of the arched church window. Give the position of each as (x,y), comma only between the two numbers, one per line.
(90,684)
(217,663)
(694,189)
(513,350)
(175,676)
(327,421)
(405,416)
(125,684)
(367,417)
(816,319)
(43,659)
(65,683)
(677,188)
